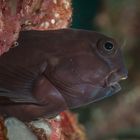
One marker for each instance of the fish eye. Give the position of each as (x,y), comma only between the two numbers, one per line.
(108,46)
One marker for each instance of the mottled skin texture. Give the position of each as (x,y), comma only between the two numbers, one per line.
(51,71)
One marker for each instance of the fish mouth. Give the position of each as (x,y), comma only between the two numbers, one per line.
(103,92)
(113,88)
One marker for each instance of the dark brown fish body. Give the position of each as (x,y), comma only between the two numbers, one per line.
(51,71)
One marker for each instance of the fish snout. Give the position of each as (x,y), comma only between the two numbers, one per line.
(122,73)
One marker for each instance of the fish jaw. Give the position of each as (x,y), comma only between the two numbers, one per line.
(89,94)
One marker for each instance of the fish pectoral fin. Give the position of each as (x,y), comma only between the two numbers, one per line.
(16,97)
(16,83)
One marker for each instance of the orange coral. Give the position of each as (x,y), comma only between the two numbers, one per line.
(71,130)
(63,127)
(2,129)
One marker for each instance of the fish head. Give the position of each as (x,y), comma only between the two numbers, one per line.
(89,67)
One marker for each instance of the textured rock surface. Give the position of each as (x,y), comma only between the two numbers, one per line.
(16,15)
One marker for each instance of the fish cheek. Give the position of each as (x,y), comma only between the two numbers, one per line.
(66,72)
(101,71)
(92,69)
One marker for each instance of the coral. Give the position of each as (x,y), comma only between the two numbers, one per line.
(2,129)
(9,27)
(62,127)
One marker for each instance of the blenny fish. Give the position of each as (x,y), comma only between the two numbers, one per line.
(51,71)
